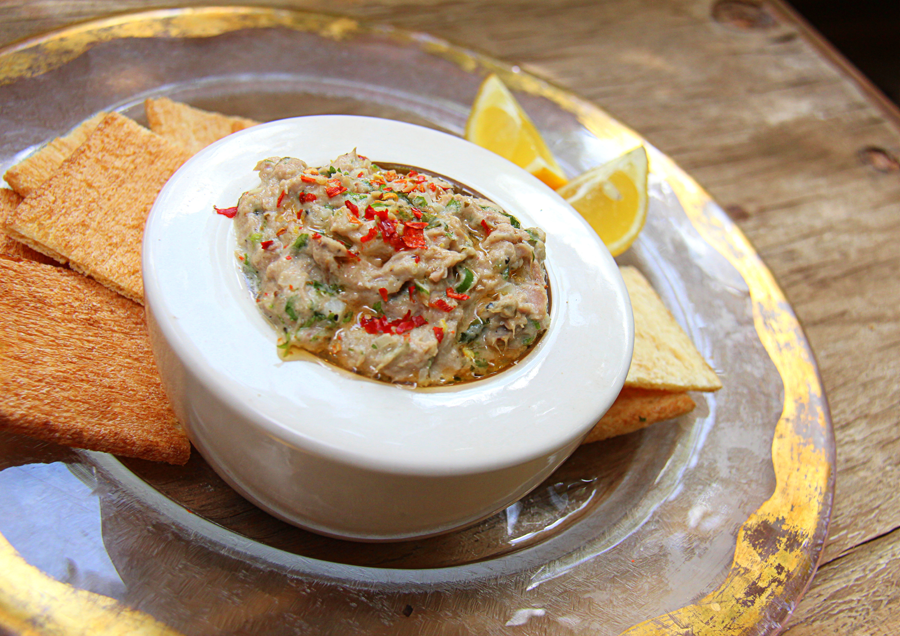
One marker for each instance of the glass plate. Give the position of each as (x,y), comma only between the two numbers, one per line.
(712,523)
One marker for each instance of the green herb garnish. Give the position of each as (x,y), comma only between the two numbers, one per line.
(512,220)
(248,266)
(325,288)
(466,282)
(290,311)
(472,331)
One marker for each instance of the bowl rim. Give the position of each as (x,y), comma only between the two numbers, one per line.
(187,249)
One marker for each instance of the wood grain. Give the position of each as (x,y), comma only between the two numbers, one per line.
(834,605)
(773,126)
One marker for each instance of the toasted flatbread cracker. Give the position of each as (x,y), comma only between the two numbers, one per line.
(635,409)
(191,127)
(25,177)
(664,357)
(91,212)
(10,248)
(76,367)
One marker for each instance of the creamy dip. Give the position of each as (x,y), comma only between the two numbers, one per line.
(396,276)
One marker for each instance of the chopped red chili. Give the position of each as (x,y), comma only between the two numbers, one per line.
(396,242)
(412,293)
(334,188)
(384,293)
(389,234)
(305,178)
(280,199)
(307,197)
(227,212)
(407,324)
(413,236)
(370,235)
(375,325)
(442,304)
(432,187)
(370,213)
(452,294)
(317,236)
(387,226)
(265,244)
(352,212)
(438,333)
(380,324)
(417,213)
(487,228)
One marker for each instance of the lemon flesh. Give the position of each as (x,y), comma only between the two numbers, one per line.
(612,198)
(498,123)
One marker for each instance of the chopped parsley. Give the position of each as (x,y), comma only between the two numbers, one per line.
(325,288)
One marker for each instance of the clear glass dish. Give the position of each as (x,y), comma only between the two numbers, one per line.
(713,522)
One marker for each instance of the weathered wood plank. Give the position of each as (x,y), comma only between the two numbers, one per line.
(778,134)
(834,605)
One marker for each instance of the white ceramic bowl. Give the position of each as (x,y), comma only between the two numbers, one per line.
(340,454)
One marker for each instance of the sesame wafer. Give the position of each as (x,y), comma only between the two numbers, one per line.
(191,127)
(91,212)
(26,176)
(664,357)
(76,367)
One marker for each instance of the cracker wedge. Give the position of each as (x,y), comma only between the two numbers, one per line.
(635,409)
(664,357)
(91,212)
(25,177)
(191,127)
(76,367)
(10,248)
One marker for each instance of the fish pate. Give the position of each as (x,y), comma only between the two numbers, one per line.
(398,276)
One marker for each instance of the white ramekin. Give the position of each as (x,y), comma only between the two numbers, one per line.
(344,455)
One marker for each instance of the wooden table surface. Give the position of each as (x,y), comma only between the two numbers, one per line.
(790,141)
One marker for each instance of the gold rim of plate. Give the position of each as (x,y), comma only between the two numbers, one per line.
(765,579)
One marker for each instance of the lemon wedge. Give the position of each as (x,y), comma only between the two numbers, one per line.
(612,198)
(498,123)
